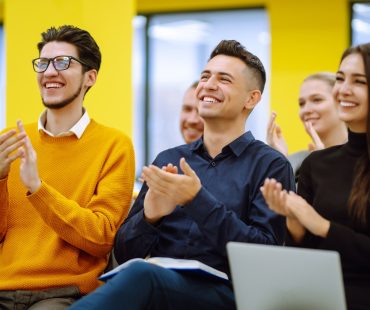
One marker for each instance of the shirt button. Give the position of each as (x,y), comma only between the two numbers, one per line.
(213,164)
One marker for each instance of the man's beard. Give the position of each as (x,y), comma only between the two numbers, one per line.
(62,104)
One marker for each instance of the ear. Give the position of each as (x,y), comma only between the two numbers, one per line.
(90,77)
(254,96)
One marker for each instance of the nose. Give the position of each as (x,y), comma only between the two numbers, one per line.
(50,70)
(344,88)
(306,108)
(211,83)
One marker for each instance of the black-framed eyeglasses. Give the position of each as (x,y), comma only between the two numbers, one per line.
(60,63)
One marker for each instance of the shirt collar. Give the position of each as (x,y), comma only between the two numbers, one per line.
(237,146)
(77,129)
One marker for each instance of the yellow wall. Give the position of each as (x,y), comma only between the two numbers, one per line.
(307,36)
(109,101)
(1,10)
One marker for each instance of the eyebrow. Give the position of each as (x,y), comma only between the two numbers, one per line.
(219,73)
(355,74)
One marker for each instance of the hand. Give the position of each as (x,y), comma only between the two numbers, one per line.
(274,136)
(307,215)
(300,215)
(157,206)
(316,144)
(173,188)
(28,167)
(9,142)
(278,201)
(275,197)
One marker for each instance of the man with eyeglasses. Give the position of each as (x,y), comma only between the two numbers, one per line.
(65,183)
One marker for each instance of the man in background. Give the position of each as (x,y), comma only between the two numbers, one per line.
(191,124)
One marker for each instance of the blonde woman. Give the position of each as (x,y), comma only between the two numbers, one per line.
(319,115)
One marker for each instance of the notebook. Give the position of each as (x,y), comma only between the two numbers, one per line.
(284,278)
(170,263)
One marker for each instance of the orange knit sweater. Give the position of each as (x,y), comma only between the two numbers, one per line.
(62,234)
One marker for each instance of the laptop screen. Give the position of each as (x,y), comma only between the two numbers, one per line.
(284,278)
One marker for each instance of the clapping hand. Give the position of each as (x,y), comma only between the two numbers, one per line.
(167,189)
(300,215)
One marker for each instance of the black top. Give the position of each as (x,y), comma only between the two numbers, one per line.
(229,206)
(325,181)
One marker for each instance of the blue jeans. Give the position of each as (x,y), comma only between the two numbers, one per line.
(146,286)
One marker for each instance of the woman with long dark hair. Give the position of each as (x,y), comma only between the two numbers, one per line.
(331,210)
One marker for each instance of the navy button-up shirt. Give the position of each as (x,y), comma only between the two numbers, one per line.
(229,206)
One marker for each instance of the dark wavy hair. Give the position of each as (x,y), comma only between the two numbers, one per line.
(88,50)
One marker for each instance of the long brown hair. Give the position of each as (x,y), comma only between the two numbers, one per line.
(359,199)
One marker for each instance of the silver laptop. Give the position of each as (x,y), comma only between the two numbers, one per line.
(283,278)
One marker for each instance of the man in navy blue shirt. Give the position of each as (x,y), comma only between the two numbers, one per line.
(199,196)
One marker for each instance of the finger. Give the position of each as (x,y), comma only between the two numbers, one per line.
(14,156)
(175,170)
(316,139)
(12,148)
(271,121)
(29,151)
(278,131)
(11,140)
(22,152)
(155,178)
(170,168)
(5,136)
(20,126)
(311,131)
(186,168)
(271,128)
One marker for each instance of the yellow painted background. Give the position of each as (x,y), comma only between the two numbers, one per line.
(307,36)
(109,22)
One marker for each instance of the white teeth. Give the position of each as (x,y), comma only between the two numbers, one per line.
(210,100)
(346,104)
(53,85)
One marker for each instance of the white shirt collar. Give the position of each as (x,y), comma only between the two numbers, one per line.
(78,129)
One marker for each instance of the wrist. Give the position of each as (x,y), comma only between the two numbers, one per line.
(296,229)
(324,229)
(151,218)
(34,186)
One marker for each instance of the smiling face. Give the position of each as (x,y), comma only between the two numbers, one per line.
(191,124)
(61,88)
(317,105)
(351,93)
(224,89)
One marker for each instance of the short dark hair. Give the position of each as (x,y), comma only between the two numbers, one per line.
(88,50)
(235,49)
